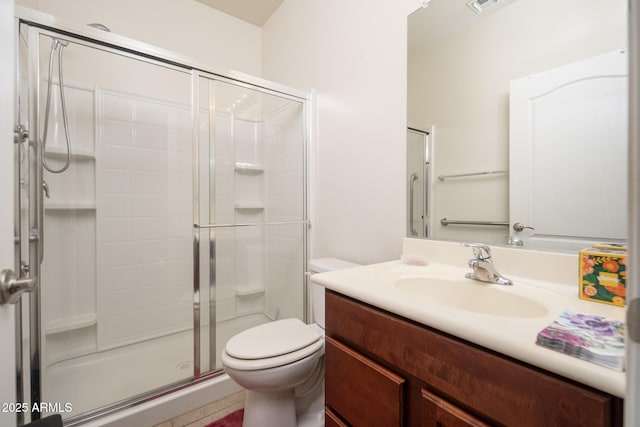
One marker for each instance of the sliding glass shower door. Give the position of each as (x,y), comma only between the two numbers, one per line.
(253,231)
(115,306)
(163,210)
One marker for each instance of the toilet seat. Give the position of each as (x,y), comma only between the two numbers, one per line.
(272,344)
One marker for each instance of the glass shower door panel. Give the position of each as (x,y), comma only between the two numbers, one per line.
(256,164)
(284,268)
(116,287)
(285,159)
(255,179)
(261,282)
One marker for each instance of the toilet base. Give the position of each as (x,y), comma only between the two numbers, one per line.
(272,409)
(314,415)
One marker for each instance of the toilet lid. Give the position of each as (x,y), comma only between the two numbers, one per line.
(272,339)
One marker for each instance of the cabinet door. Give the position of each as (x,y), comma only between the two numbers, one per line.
(503,391)
(362,392)
(437,412)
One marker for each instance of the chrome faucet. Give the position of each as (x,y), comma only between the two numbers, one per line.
(483,269)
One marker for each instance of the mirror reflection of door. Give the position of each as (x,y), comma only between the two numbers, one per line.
(417,182)
(568,181)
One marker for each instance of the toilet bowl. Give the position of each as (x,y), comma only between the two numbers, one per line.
(281,364)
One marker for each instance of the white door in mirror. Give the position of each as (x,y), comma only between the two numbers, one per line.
(568,142)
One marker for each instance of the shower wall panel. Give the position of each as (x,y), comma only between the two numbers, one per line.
(284,163)
(237,188)
(225,239)
(144,219)
(68,278)
(249,176)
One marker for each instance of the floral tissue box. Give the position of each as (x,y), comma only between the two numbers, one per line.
(603,276)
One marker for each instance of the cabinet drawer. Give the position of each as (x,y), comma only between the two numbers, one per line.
(437,412)
(362,392)
(332,420)
(502,390)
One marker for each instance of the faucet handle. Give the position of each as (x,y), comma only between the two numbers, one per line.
(481,251)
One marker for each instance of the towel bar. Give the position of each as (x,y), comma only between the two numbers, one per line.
(445,222)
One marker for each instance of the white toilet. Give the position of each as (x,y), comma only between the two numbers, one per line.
(281,364)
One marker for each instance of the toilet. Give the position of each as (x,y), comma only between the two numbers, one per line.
(281,364)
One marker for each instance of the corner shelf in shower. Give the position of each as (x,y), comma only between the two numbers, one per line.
(249,205)
(249,290)
(249,167)
(71,323)
(61,153)
(61,206)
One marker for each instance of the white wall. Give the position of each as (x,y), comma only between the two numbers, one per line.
(353,54)
(7,351)
(187,27)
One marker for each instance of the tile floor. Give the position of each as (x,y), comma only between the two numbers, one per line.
(207,414)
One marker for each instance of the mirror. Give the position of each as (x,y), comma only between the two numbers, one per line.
(461,65)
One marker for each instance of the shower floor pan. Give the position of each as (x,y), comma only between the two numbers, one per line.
(87,383)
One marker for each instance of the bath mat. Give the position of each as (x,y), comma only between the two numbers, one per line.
(234,419)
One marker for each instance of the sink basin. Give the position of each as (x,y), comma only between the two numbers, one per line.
(471,295)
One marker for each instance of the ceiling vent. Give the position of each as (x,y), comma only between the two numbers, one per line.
(480,5)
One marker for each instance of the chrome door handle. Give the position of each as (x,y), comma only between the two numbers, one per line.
(12,286)
(518,226)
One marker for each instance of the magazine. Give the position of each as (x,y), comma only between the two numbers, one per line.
(588,337)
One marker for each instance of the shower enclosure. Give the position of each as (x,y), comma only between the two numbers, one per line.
(161,208)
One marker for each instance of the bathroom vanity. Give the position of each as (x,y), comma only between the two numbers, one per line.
(384,370)
(421,345)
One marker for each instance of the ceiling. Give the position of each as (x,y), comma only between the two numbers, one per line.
(428,24)
(256,12)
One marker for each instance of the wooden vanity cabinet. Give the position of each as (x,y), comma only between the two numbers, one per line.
(384,370)
(360,390)
(438,412)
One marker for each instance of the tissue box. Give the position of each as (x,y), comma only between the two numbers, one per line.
(603,275)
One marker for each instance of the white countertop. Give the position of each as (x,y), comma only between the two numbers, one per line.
(511,334)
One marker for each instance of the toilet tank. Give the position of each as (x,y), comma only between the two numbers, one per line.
(320,265)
